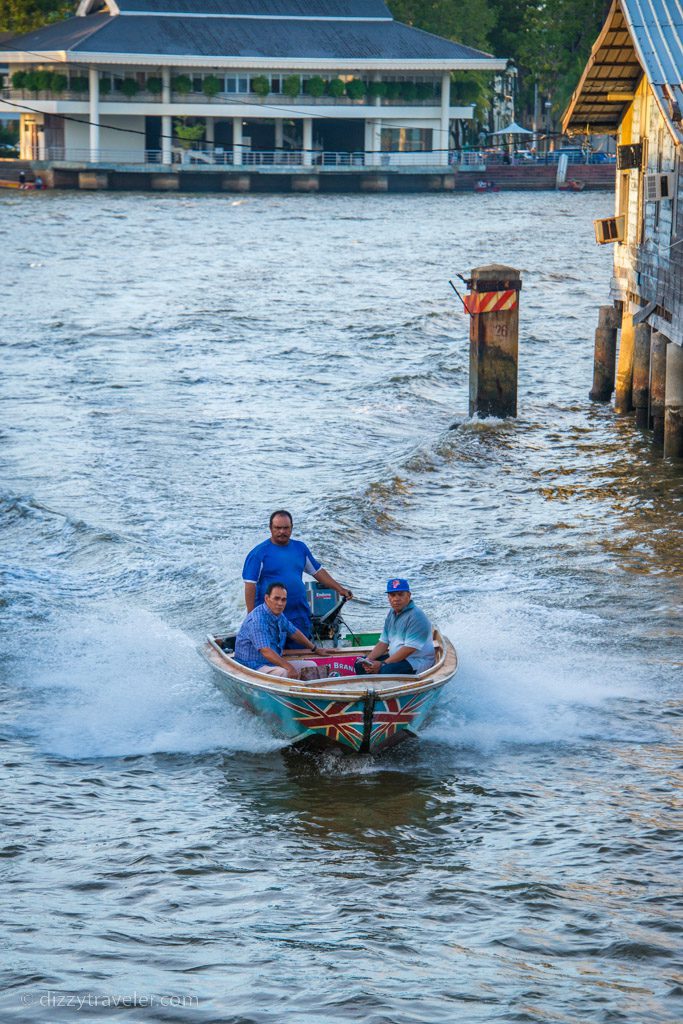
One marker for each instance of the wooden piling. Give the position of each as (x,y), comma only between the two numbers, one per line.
(605,354)
(641,374)
(673,403)
(623,400)
(493,305)
(658,345)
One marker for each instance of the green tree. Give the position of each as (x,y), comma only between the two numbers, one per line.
(17,16)
(465,21)
(211,86)
(187,133)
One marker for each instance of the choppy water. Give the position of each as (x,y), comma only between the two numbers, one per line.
(176,367)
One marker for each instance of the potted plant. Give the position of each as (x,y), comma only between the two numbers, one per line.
(19,80)
(377,89)
(260,85)
(315,86)
(355,89)
(211,86)
(182,85)
(155,86)
(79,84)
(291,86)
(336,88)
(129,87)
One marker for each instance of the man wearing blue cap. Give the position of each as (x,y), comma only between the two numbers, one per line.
(405,646)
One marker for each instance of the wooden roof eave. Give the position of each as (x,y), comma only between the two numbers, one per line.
(590,64)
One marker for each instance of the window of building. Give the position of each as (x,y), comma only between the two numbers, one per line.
(236,83)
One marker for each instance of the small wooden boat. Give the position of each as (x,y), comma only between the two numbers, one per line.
(22,186)
(486,186)
(356,713)
(572,185)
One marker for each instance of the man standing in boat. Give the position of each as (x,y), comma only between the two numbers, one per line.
(281,559)
(405,646)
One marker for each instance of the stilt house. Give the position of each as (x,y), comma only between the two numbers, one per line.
(632,86)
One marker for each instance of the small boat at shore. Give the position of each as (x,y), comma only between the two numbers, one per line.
(365,713)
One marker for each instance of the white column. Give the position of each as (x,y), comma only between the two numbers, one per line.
(370,157)
(166,122)
(209,134)
(442,137)
(279,133)
(94,114)
(237,140)
(307,158)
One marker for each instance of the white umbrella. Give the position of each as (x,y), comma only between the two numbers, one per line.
(513,129)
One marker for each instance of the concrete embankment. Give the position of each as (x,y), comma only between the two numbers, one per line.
(248,179)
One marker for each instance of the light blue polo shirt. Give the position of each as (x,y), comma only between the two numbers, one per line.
(410,628)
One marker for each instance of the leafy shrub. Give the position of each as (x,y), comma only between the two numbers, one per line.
(466,91)
(377,89)
(19,79)
(211,86)
(315,86)
(425,90)
(408,90)
(182,85)
(188,133)
(291,85)
(336,87)
(129,87)
(260,85)
(79,84)
(393,90)
(105,86)
(43,81)
(355,89)
(155,86)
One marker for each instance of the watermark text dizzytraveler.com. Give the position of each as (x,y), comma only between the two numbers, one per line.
(51,999)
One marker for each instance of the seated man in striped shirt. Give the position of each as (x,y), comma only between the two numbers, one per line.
(263,636)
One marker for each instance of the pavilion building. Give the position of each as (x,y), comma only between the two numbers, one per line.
(237,82)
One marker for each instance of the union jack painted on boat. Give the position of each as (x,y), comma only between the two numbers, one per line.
(396,713)
(337,720)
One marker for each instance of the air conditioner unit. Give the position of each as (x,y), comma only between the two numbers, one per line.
(659,186)
(630,157)
(610,229)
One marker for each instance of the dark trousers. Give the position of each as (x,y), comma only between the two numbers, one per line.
(397,668)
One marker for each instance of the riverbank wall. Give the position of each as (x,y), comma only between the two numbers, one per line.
(110,177)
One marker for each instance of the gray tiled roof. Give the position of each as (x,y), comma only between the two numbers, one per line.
(274,38)
(263,8)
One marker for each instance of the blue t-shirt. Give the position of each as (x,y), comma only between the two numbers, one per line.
(277,563)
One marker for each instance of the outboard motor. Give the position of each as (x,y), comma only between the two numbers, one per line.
(326,605)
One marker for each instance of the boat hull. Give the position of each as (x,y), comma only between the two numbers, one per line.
(354,714)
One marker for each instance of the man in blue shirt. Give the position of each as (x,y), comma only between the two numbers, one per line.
(263,636)
(285,560)
(405,646)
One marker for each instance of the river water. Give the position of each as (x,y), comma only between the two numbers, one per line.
(175,367)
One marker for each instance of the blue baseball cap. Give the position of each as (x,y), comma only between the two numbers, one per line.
(396,585)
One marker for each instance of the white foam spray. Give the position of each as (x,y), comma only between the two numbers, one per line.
(529,675)
(119,682)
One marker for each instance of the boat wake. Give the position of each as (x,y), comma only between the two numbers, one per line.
(529,674)
(120,682)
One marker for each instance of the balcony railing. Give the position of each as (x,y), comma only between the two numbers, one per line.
(222,99)
(322,160)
